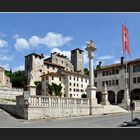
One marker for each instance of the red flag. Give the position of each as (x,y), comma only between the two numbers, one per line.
(125,40)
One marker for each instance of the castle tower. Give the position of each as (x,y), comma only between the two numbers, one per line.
(77,59)
(34,63)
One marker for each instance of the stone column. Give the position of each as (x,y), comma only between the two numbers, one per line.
(126,100)
(115,98)
(105,96)
(91,89)
(31,87)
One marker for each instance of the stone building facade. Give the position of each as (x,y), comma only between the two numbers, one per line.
(73,84)
(115,77)
(39,66)
(77,59)
(4,80)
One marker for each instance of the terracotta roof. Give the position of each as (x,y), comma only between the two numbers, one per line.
(58,54)
(50,63)
(35,55)
(118,64)
(73,73)
(51,74)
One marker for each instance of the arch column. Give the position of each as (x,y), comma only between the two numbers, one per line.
(116,98)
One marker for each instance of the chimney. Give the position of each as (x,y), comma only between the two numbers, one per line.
(42,55)
(122,60)
(100,63)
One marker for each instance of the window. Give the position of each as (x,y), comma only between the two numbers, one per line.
(74,84)
(110,72)
(70,77)
(52,78)
(53,68)
(86,80)
(46,77)
(117,82)
(59,78)
(113,83)
(70,95)
(81,79)
(77,85)
(117,71)
(134,80)
(77,79)
(48,66)
(136,68)
(70,89)
(74,78)
(109,82)
(95,74)
(95,83)
(113,72)
(103,83)
(81,85)
(103,73)
(70,83)
(74,89)
(62,62)
(74,94)
(138,79)
(106,73)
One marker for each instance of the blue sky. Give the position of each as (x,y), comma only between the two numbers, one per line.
(24,33)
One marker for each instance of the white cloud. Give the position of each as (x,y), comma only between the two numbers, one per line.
(21,44)
(15,36)
(6,58)
(106,57)
(35,40)
(5,66)
(18,68)
(55,40)
(66,53)
(117,61)
(3,43)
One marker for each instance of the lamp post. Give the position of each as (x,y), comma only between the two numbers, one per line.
(91,89)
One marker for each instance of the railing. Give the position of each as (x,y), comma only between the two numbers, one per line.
(11,89)
(137,103)
(57,101)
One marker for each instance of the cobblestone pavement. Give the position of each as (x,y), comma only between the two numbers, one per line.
(102,121)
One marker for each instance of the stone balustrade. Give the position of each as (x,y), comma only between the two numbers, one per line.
(57,101)
(137,103)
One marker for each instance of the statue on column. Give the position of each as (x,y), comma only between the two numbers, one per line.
(105,96)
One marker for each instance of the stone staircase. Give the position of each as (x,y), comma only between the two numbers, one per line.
(112,109)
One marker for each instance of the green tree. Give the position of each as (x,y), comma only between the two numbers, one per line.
(50,89)
(86,71)
(18,79)
(55,88)
(83,95)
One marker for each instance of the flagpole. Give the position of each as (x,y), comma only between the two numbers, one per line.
(126,100)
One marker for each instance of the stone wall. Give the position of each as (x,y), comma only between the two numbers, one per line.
(10,93)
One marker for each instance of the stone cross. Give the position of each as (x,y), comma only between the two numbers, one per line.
(91,89)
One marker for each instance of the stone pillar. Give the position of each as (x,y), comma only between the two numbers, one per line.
(126,100)
(91,89)
(115,98)
(105,96)
(31,87)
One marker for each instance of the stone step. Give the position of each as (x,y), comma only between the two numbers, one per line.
(114,109)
